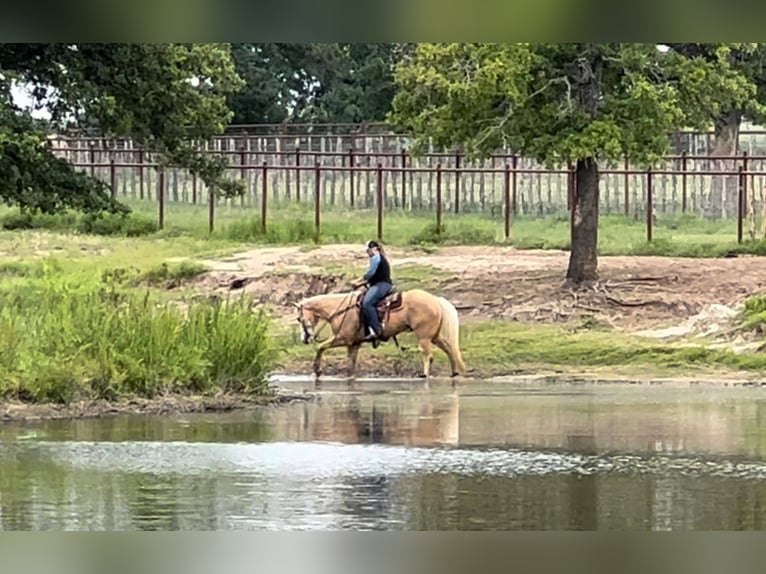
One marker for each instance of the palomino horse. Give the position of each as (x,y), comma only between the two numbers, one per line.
(432,319)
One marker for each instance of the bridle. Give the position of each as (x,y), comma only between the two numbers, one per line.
(308,334)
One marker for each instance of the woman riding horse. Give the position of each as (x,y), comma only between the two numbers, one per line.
(378,280)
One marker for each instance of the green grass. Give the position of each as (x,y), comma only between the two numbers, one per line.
(683,236)
(67,336)
(497,348)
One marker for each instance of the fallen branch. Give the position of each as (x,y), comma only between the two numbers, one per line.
(649,279)
(617,301)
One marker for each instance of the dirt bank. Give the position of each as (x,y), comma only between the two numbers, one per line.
(170,405)
(638,295)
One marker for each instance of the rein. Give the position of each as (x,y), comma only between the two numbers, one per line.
(330,317)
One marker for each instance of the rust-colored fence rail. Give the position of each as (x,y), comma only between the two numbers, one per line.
(738,193)
(684,182)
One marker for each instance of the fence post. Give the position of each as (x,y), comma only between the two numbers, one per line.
(243,170)
(298,175)
(351,173)
(741,199)
(745,186)
(438,198)
(649,204)
(404,180)
(317,197)
(112,178)
(684,200)
(92,159)
(457,183)
(194,189)
(507,200)
(264,195)
(161,196)
(514,201)
(380,202)
(627,186)
(211,209)
(141,173)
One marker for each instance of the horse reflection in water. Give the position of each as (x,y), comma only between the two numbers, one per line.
(425,420)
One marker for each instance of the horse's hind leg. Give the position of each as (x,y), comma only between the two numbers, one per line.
(447,348)
(427,350)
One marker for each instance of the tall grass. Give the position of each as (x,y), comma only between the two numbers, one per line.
(64,338)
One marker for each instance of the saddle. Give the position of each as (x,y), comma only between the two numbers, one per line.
(390,303)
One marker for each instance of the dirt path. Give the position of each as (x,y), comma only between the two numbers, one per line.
(651,296)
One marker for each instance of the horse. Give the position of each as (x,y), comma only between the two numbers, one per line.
(433,320)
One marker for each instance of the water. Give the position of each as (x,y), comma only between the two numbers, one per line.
(403,456)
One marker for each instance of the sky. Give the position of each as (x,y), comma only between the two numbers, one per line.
(22,99)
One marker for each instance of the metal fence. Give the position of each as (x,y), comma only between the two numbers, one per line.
(504,186)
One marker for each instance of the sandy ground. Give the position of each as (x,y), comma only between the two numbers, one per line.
(649,296)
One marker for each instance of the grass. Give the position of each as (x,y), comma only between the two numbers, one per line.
(682,236)
(493,348)
(68,336)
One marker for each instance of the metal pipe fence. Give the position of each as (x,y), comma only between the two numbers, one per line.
(508,188)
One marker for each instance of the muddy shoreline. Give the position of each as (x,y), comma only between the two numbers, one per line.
(167,405)
(17,411)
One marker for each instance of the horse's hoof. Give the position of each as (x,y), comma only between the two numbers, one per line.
(422,376)
(453,375)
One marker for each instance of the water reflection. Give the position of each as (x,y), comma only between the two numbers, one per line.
(403,457)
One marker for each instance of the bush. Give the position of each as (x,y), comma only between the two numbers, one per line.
(454,235)
(131,225)
(64,340)
(112,224)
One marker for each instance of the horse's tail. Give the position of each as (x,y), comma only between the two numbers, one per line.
(450,330)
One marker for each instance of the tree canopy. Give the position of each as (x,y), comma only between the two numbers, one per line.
(338,83)
(164,96)
(565,102)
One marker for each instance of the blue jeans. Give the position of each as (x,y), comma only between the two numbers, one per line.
(372,297)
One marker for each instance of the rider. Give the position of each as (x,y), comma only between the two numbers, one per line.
(378,278)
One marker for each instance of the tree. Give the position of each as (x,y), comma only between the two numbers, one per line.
(337,83)
(166,97)
(277,79)
(355,82)
(557,103)
(750,61)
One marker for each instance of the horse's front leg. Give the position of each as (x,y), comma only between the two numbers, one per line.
(353,354)
(317,366)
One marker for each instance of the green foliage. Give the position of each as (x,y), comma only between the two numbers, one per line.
(754,313)
(315,82)
(167,97)
(31,177)
(454,234)
(175,272)
(65,338)
(133,225)
(560,102)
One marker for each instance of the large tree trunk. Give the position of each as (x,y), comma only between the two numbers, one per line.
(723,189)
(583,260)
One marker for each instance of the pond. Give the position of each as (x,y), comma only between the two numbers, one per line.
(401,455)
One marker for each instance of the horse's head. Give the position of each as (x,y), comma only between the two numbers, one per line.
(307,320)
